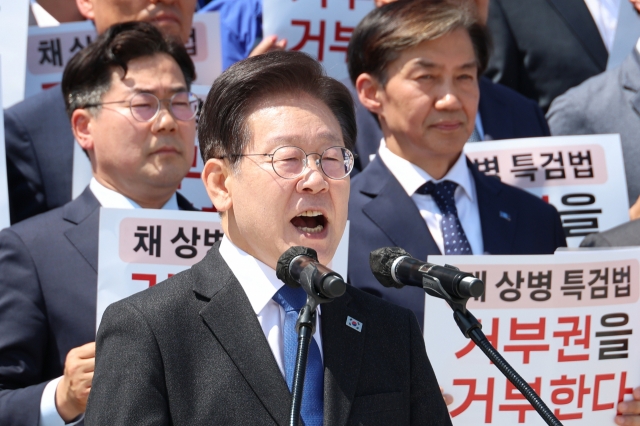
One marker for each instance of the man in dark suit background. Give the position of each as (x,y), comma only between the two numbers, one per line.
(209,345)
(416,66)
(542,48)
(140,150)
(502,112)
(38,140)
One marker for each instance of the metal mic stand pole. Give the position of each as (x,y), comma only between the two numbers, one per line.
(306,326)
(471,328)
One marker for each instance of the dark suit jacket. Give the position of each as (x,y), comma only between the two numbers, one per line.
(606,103)
(505,114)
(542,48)
(382,215)
(48,284)
(39,148)
(190,351)
(625,235)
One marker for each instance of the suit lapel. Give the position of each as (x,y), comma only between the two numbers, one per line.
(407,230)
(578,18)
(497,216)
(84,212)
(233,322)
(343,349)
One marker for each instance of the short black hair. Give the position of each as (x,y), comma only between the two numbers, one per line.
(222,129)
(382,36)
(87,76)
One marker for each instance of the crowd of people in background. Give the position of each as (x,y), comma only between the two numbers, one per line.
(425,78)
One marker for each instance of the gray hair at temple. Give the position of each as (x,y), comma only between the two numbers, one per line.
(222,127)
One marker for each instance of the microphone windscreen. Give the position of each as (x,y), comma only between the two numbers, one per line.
(282,268)
(381,261)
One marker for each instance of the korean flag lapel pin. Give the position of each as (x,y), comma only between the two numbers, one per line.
(354,323)
(506,216)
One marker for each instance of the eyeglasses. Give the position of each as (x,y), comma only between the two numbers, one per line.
(145,107)
(289,162)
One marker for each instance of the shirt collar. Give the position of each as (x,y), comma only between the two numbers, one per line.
(258,280)
(412,177)
(114,200)
(42,17)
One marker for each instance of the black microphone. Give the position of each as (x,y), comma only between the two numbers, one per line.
(299,266)
(394,267)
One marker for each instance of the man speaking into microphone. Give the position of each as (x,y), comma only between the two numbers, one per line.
(210,345)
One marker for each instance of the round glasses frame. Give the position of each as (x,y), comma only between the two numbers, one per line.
(139,101)
(346,157)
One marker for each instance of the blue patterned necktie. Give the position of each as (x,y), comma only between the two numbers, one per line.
(292,300)
(455,240)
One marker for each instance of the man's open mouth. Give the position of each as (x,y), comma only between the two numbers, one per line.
(310,221)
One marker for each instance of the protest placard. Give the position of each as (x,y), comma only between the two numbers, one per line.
(565,323)
(14,21)
(50,48)
(582,176)
(142,247)
(321,28)
(4,195)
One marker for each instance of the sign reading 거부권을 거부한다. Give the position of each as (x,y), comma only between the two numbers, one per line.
(321,28)
(564,322)
(582,176)
(50,48)
(4,195)
(14,21)
(142,247)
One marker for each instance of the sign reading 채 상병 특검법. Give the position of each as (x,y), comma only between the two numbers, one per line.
(142,247)
(321,28)
(582,176)
(50,48)
(14,21)
(565,323)
(4,195)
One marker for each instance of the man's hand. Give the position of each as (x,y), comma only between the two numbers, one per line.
(269,44)
(73,389)
(630,411)
(448,399)
(634,211)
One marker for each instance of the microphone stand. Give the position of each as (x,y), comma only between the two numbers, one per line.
(471,328)
(305,326)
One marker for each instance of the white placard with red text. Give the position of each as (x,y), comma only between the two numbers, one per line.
(50,48)
(140,248)
(565,323)
(4,195)
(321,28)
(14,21)
(582,176)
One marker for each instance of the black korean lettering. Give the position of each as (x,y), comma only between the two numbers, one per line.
(579,222)
(614,348)
(542,282)
(510,294)
(523,166)
(622,281)
(580,169)
(153,234)
(554,172)
(186,251)
(599,291)
(50,52)
(210,238)
(488,166)
(573,283)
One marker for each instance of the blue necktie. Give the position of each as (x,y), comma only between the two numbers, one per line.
(292,299)
(455,240)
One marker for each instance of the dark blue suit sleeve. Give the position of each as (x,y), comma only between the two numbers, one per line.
(26,192)
(504,64)
(23,334)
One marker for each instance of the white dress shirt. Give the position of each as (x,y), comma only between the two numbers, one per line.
(412,177)
(605,15)
(260,283)
(110,199)
(41,17)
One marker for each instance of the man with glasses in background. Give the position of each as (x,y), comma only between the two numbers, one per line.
(38,140)
(128,98)
(216,344)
